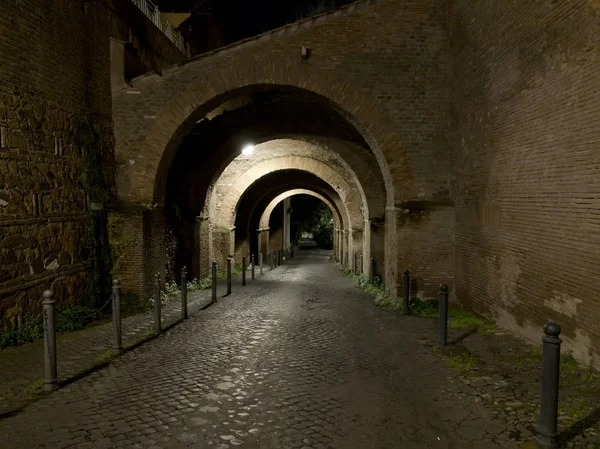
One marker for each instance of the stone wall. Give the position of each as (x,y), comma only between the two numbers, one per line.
(526,105)
(48,84)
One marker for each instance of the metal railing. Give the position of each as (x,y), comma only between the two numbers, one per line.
(153,13)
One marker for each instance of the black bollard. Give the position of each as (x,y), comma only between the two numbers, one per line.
(214,282)
(184,310)
(278,257)
(355,263)
(443,320)
(116,314)
(50,368)
(260,262)
(157,317)
(362,271)
(243,270)
(292,252)
(406,293)
(547,435)
(229,275)
(252,267)
(372,271)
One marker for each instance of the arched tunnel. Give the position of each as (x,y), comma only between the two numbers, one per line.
(449,146)
(210,196)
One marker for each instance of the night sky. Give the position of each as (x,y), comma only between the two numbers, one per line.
(245,18)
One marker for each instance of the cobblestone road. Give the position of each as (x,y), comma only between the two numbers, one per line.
(297,359)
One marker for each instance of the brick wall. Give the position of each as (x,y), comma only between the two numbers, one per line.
(525,106)
(53,70)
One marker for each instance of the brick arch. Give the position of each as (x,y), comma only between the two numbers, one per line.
(225,213)
(187,96)
(266,215)
(309,149)
(367,179)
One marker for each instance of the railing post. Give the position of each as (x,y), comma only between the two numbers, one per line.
(260,262)
(406,293)
(362,264)
(184,310)
(116,313)
(243,270)
(157,320)
(213,297)
(547,435)
(229,275)
(443,321)
(372,271)
(50,377)
(252,274)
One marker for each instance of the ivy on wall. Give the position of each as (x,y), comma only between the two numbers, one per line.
(97,191)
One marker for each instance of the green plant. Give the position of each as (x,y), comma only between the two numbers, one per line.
(37,385)
(70,319)
(150,332)
(375,289)
(106,356)
(170,293)
(199,284)
(460,318)
(75,318)
(462,363)
(429,307)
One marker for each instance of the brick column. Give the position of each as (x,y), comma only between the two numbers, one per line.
(138,246)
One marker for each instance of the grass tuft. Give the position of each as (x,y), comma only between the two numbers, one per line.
(462,363)
(374,289)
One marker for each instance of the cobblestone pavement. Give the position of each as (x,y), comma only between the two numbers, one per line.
(79,351)
(297,359)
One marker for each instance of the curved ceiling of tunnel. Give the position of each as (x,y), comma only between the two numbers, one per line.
(266,215)
(258,196)
(224,206)
(289,154)
(216,140)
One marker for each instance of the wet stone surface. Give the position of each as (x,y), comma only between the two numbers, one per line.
(301,359)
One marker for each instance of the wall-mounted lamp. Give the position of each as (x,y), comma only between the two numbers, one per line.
(248,150)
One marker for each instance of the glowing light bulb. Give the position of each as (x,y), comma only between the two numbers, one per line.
(248,150)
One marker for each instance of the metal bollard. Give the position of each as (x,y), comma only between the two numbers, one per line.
(252,274)
(547,435)
(372,271)
(243,270)
(361,265)
(229,275)
(116,313)
(157,321)
(50,377)
(406,293)
(355,263)
(184,292)
(260,262)
(278,257)
(292,252)
(213,297)
(443,320)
